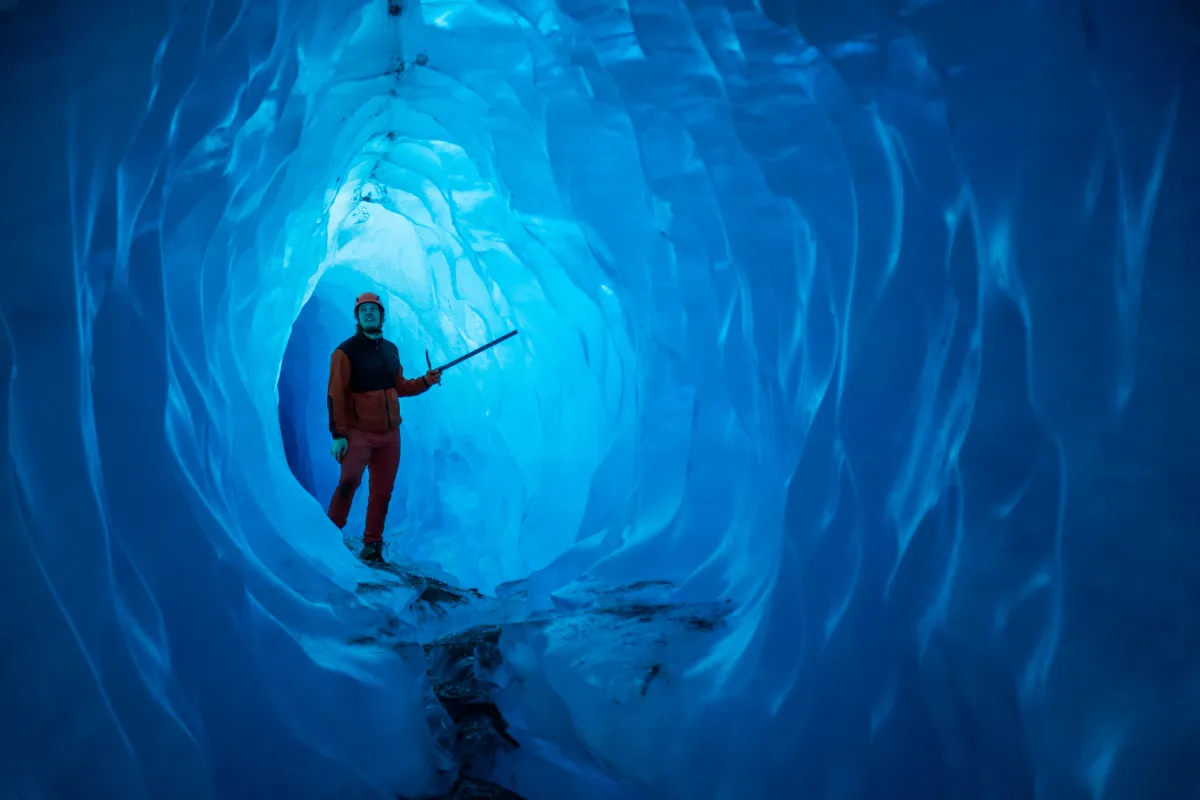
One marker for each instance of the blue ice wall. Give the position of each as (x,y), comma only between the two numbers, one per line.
(870,319)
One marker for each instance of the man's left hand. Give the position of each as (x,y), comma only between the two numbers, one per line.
(433,377)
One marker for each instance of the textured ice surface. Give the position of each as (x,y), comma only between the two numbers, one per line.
(860,332)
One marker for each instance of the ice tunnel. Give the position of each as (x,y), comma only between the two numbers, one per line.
(846,450)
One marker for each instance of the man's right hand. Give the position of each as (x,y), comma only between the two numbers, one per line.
(338,450)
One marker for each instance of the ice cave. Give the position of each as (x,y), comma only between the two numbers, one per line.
(846,450)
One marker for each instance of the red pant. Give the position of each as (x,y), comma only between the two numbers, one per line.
(379,452)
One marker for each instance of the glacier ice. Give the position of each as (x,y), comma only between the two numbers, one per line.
(846,450)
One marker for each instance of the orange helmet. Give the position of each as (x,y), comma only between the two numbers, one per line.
(368,297)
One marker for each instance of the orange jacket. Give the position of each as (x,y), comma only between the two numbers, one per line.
(366,382)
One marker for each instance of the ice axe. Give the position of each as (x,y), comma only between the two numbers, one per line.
(471,354)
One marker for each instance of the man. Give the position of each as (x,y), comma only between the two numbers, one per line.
(366,382)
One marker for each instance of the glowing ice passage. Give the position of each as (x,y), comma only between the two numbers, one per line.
(845,452)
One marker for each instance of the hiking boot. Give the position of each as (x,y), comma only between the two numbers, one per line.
(372,552)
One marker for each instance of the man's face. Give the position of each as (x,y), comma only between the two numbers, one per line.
(369,317)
